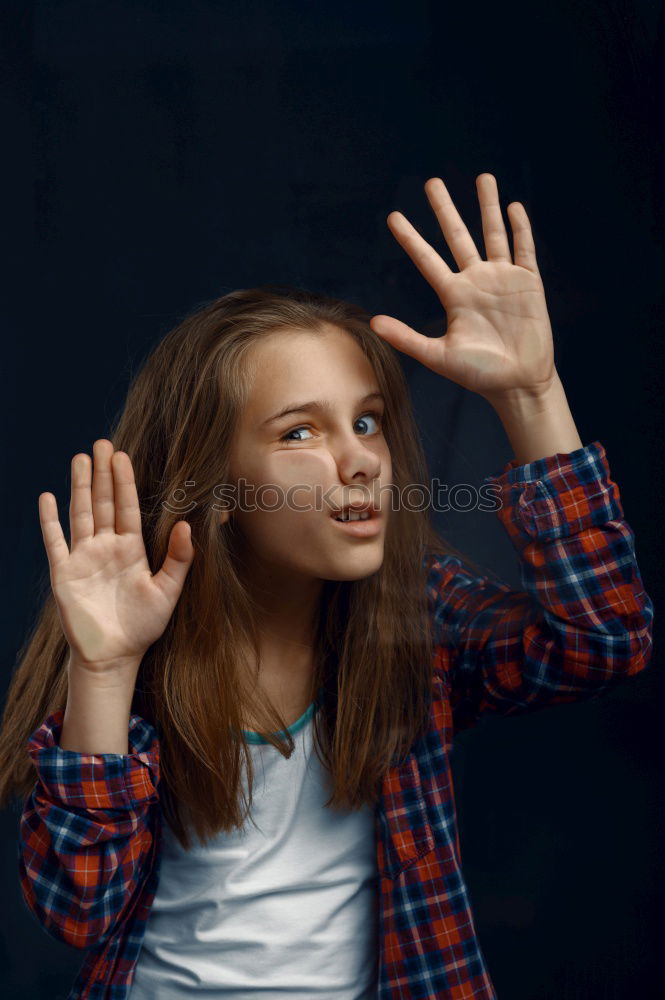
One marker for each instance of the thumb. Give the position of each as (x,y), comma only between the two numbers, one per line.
(178,559)
(427,350)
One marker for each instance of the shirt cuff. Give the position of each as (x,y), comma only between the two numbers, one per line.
(96,781)
(556,496)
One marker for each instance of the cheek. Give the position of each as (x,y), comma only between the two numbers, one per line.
(285,491)
(300,477)
(303,465)
(284,530)
(285,470)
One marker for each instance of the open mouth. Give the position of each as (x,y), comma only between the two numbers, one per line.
(358,523)
(365,515)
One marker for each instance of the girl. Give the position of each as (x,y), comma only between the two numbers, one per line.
(335,658)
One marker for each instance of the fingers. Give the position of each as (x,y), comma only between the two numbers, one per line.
(457,235)
(494,231)
(55,543)
(525,250)
(127,510)
(432,267)
(103,493)
(81,524)
(103,500)
(497,247)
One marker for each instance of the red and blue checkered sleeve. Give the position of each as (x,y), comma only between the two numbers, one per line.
(582,622)
(86,832)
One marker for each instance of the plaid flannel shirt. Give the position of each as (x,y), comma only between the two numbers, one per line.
(89,833)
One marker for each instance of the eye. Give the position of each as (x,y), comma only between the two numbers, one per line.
(374,415)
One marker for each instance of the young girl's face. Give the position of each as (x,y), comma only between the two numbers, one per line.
(335,449)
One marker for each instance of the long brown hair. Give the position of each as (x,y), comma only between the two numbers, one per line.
(373,649)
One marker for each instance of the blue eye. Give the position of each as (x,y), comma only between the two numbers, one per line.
(373,415)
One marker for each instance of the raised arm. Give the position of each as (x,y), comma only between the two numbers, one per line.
(583,621)
(88,831)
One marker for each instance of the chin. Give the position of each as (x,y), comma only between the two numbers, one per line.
(357,566)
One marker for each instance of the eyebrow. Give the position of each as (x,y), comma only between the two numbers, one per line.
(316,404)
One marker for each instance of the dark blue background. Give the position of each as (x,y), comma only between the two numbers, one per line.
(158,154)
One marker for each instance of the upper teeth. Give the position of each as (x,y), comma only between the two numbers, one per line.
(353,516)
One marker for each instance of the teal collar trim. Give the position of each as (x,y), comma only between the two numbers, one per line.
(294,728)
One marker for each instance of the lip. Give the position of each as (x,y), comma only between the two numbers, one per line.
(361,529)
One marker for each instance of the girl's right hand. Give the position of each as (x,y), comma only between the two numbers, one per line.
(111,606)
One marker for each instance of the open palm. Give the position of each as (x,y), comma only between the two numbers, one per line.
(112,608)
(499,336)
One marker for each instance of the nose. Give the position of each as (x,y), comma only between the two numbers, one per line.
(357,462)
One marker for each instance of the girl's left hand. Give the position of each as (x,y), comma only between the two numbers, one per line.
(499,337)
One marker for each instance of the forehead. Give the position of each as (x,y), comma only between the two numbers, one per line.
(301,364)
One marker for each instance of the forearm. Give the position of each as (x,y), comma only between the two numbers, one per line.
(581,622)
(537,424)
(96,719)
(94,814)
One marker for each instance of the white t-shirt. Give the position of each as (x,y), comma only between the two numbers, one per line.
(283,911)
